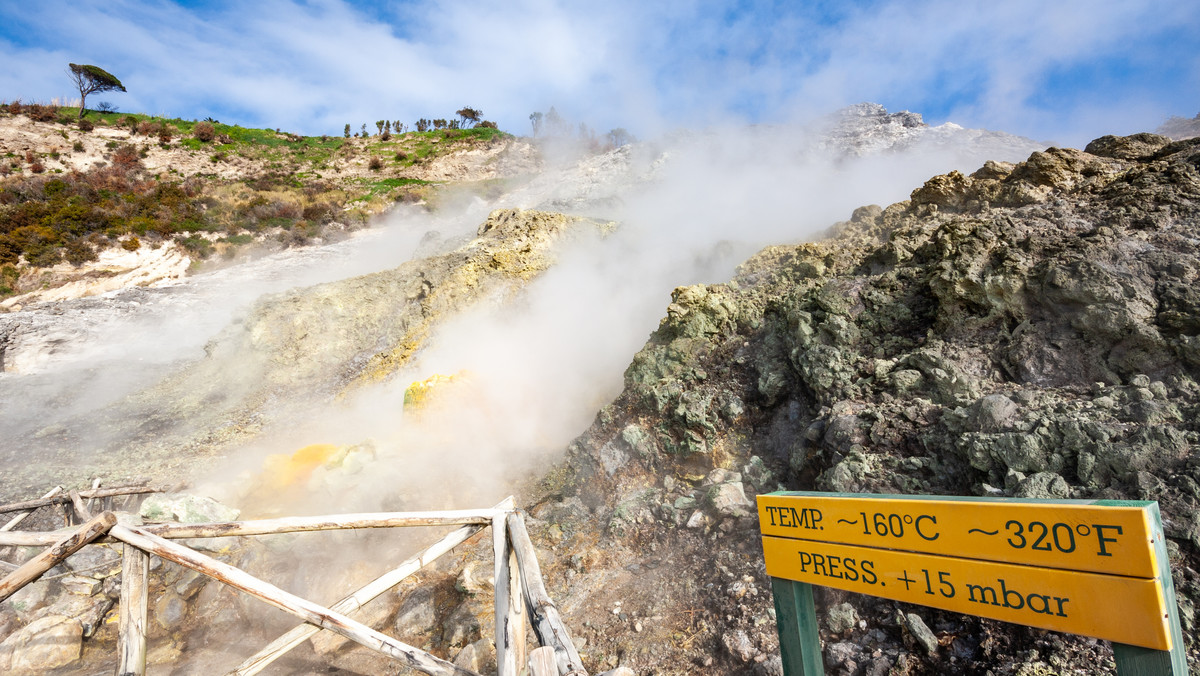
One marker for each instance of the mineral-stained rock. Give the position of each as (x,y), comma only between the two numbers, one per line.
(1043,485)
(89,611)
(920,631)
(169,611)
(479,657)
(186,508)
(841,617)
(472,579)
(46,643)
(739,645)
(29,598)
(416,614)
(842,657)
(728,499)
(461,626)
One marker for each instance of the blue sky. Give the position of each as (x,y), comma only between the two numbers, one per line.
(1061,72)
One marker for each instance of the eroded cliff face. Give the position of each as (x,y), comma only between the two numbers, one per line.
(1029,330)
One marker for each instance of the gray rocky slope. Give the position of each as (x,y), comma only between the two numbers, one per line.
(1030,330)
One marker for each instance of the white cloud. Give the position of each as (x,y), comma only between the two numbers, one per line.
(313,66)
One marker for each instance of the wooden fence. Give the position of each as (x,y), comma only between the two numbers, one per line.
(520,594)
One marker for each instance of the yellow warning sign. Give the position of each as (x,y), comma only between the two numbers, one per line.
(1117,608)
(1070,535)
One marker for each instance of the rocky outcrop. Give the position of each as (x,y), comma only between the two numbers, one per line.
(1180,128)
(868,128)
(1026,330)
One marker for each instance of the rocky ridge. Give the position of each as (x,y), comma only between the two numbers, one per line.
(1180,128)
(868,128)
(1027,330)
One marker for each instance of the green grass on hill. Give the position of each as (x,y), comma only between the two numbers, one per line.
(48,217)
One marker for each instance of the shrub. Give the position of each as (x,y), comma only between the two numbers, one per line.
(78,251)
(86,125)
(29,157)
(131,244)
(197,245)
(10,251)
(224,139)
(41,113)
(487,124)
(77,147)
(401,156)
(37,167)
(375,164)
(125,156)
(43,256)
(346,132)
(148,128)
(14,108)
(385,136)
(204,131)
(9,275)
(319,212)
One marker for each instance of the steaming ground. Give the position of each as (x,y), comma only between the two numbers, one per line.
(539,361)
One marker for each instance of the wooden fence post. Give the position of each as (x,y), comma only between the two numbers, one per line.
(135,568)
(546,620)
(542,662)
(507,659)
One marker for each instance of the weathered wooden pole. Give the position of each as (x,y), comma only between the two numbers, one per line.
(307,610)
(33,568)
(542,662)
(135,569)
(547,622)
(298,524)
(91,501)
(508,653)
(59,499)
(81,510)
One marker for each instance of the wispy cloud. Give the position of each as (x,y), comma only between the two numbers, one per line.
(1060,71)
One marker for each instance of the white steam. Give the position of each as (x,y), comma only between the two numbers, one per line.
(538,366)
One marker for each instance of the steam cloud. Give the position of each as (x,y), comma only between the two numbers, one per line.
(539,366)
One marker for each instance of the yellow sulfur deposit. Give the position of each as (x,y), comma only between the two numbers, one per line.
(418,395)
(282,470)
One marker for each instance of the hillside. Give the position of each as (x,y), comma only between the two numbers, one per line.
(79,201)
